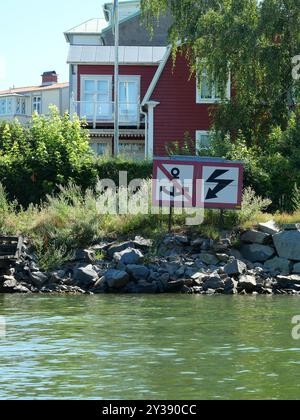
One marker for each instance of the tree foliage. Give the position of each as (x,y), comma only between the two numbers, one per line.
(254,42)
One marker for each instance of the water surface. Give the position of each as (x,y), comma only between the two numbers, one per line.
(149,347)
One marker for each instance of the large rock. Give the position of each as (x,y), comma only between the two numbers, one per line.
(278,264)
(85,276)
(174,286)
(129,256)
(291,226)
(269,227)
(257,252)
(230,286)
(116,279)
(208,259)
(38,279)
(119,247)
(235,268)
(213,282)
(142,243)
(138,272)
(255,237)
(287,282)
(247,283)
(296,268)
(86,255)
(288,244)
(142,287)
(8,284)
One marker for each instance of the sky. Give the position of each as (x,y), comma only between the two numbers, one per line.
(32,40)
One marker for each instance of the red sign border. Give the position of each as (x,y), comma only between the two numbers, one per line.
(198,171)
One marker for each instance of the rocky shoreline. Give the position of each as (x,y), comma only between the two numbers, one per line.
(263,261)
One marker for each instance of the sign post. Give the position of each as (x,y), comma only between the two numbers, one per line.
(193,182)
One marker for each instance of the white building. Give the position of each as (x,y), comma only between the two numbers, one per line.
(22,102)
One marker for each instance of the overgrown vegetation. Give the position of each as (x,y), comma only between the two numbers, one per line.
(272,170)
(53,151)
(74,219)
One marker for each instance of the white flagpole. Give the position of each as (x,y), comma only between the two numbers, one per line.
(116,89)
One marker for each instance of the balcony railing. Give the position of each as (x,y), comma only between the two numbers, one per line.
(103,112)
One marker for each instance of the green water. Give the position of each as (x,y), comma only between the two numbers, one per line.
(149,347)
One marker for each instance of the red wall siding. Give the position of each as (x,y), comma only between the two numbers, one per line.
(178,111)
(146,73)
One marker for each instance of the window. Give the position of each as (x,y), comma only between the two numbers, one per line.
(20,106)
(134,150)
(202,140)
(96,97)
(2,106)
(12,105)
(207,93)
(37,104)
(129,97)
(99,149)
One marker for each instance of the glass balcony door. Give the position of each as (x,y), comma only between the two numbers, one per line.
(96,99)
(129,98)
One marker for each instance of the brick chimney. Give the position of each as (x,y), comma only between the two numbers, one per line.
(49,78)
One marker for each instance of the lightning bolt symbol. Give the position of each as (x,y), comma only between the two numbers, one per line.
(221,183)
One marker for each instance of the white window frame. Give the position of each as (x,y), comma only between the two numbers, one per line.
(214,99)
(200,133)
(96,78)
(37,103)
(5,100)
(137,80)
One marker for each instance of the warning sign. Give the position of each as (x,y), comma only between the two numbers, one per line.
(194,182)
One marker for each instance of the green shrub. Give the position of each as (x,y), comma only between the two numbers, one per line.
(53,151)
(50,151)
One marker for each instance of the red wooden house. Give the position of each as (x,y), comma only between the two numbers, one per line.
(159,103)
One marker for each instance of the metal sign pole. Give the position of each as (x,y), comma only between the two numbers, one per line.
(116,89)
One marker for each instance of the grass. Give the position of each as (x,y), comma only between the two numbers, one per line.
(73,220)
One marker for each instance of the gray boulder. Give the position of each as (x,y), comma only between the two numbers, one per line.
(129,256)
(235,268)
(38,279)
(213,282)
(287,282)
(142,243)
(196,243)
(257,252)
(174,286)
(278,264)
(291,226)
(85,276)
(119,247)
(87,255)
(269,227)
(288,244)
(116,279)
(142,287)
(230,286)
(7,284)
(208,259)
(255,237)
(247,283)
(223,257)
(138,272)
(296,268)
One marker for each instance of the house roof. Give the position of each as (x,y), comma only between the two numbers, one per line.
(121,21)
(125,8)
(91,26)
(106,55)
(29,89)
